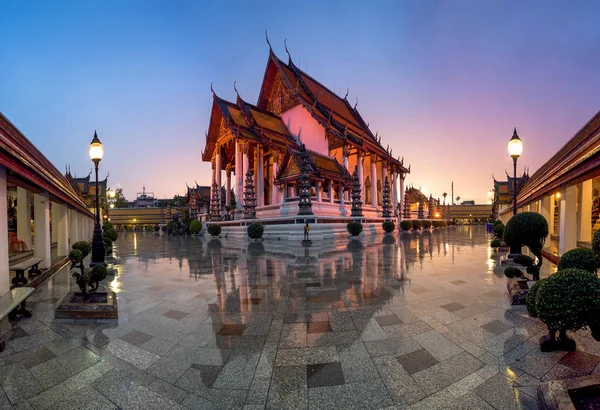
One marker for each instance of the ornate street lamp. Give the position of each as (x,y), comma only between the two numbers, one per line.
(96,152)
(515,147)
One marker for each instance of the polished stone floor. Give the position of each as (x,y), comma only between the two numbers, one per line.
(417,321)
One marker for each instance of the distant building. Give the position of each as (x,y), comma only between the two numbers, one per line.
(144,199)
(503,192)
(197,199)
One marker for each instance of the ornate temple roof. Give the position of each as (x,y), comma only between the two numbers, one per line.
(321,167)
(285,85)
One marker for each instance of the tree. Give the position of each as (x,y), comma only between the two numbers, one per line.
(457,200)
(445,195)
(527,229)
(119,199)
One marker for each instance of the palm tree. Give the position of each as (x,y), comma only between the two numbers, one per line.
(444,195)
(457,200)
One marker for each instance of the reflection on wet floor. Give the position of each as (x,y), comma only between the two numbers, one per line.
(419,319)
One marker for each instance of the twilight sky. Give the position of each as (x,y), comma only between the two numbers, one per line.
(443,82)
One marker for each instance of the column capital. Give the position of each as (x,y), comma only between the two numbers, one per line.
(228,170)
(374,157)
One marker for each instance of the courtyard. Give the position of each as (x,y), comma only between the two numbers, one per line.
(417,321)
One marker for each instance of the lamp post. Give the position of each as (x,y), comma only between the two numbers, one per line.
(96,152)
(515,147)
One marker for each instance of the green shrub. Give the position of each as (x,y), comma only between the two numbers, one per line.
(426,223)
(83,246)
(417,224)
(596,243)
(527,229)
(523,260)
(98,274)
(406,224)
(579,258)
(496,243)
(112,234)
(568,300)
(255,230)
(195,226)
(530,299)
(214,229)
(156,228)
(354,228)
(163,228)
(108,225)
(497,222)
(498,230)
(512,273)
(107,242)
(388,226)
(75,256)
(437,223)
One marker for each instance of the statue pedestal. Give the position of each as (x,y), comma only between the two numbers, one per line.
(517,290)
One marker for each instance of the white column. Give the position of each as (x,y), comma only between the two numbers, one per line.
(401,204)
(275,190)
(239,175)
(318,191)
(4,272)
(373,181)
(584,211)
(73,227)
(359,163)
(60,223)
(384,172)
(24,217)
(568,219)
(394,190)
(546,212)
(284,192)
(53,230)
(345,157)
(245,162)
(228,186)
(41,229)
(213,179)
(331,195)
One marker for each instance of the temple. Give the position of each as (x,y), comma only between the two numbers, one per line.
(262,145)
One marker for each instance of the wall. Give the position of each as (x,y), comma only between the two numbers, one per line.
(306,129)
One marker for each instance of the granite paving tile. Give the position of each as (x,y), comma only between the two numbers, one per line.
(350,396)
(19,383)
(228,398)
(168,391)
(437,345)
(293,335)
(87,398)
(318,327)
(499,392)
(140,358)
(239,370)
(324,374)
(416,361)
(356,363)
(82,379)
(175,314)
(388,320)
(136,338)
(50,373)
(393,346)
(194,402)
(305,356)
(444,374)
(50,397)
(402,388)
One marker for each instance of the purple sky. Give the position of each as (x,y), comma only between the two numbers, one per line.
(444,82)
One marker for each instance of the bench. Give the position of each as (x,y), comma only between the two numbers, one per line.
(21,267)
(12,304)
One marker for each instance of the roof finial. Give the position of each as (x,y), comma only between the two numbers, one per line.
(211,89)
(356,104)
(288,53)
(236,91)
(268,42)
(347,92)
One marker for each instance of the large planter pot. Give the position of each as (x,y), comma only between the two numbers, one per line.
(551,343)
(101,305)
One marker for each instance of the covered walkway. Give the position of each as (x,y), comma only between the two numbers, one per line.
(42,214)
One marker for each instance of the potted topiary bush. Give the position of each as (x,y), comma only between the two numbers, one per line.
(579,258)
(569,300)
(496,244)
(111,234)
(107,245)
(195,227)
(527,229)
(406,224)
(214,229)
(255,230)
(354,228)
(388,226)
(498,230)
(156,228)
(87,282)
(417,224)
(426,224)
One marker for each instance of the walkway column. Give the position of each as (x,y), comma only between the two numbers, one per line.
(245,163)
(345,157)
(41,229)
(331,191)
(318,191)
(373,181)
(60,223)
(546,212)
(359,164)
(568,219)
(239,175)
(73,232)
(218,176)
(584,208)
(53,230)
(275,190)
(213,179)
(4,272)
(228,186)
(24,217)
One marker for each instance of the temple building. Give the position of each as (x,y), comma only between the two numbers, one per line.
(86,188)
(503,192)
(261,144)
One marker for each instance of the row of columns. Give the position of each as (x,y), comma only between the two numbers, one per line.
(68,226)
